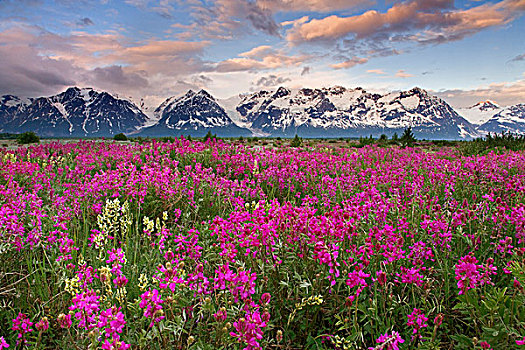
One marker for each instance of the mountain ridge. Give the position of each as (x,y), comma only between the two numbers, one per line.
(309,112)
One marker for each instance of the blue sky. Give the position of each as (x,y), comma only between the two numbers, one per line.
(464,51)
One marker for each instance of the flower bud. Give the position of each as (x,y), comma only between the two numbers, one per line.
(279,336)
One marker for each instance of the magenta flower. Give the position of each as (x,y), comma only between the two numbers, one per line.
(381,277)
(112,322)
(86,306)
(221,315)
(152,302)
(521,342)
(22,324)
(485,345)
(265,298)
(115,344)
(417,320)
(248,330)
(42,325)
(64,321)
(471,275)
(120,281)
(389,341)
(3,343)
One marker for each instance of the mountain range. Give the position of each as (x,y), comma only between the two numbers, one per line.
(323,112)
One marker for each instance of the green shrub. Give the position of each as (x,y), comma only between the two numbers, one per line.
(167,139)
(506,141)
(120,137)
(363,141)
(28,137)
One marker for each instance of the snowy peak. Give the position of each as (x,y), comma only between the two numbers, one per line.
(77,112)
(310,112)
(338,111)
(486,106)
(194,112)
(510,119)
(481,112)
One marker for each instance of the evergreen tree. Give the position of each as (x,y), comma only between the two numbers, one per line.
(296,142)
(208,136)
(408,138)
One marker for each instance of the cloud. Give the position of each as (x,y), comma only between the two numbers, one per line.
(434,21)
(402,74)
(271,81)
(18,6)
(163,8)
(259,51)
(229,19)
(38,62)
(310,5)
(306,70)
(259,58)
(296,22)
(504,93)
(518,58)
(114,77)
(201,80)
(84,22)
(349,63)
(25,73)
(262,19)
(376,71)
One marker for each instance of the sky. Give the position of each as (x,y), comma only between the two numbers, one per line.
(462,51)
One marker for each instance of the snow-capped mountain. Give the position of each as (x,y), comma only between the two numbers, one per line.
(480,112)
(73,113)
(194,113)
(510,119)
(9,106)
(341,112)
(324,112)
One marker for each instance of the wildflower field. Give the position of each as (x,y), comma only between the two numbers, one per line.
(215,245)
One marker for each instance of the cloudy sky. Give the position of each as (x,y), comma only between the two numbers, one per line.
(464,51)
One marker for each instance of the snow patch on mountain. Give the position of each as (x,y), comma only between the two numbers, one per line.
(480,113)
(510,119)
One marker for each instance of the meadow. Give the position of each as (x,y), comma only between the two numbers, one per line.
(223,245)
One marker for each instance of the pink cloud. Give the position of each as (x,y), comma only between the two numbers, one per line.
(311,5)
(36,61)
(504,93)
(350,63)
(437,17)
(261,57)
(402,74)
(376,71)
(259,51)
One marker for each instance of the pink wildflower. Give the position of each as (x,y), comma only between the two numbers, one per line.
(389,342)
(22,324)
(64,321)
(151,301)
(485,345)
(417,319)
(3,343)
(86,306)
(42,325)
(471,275)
